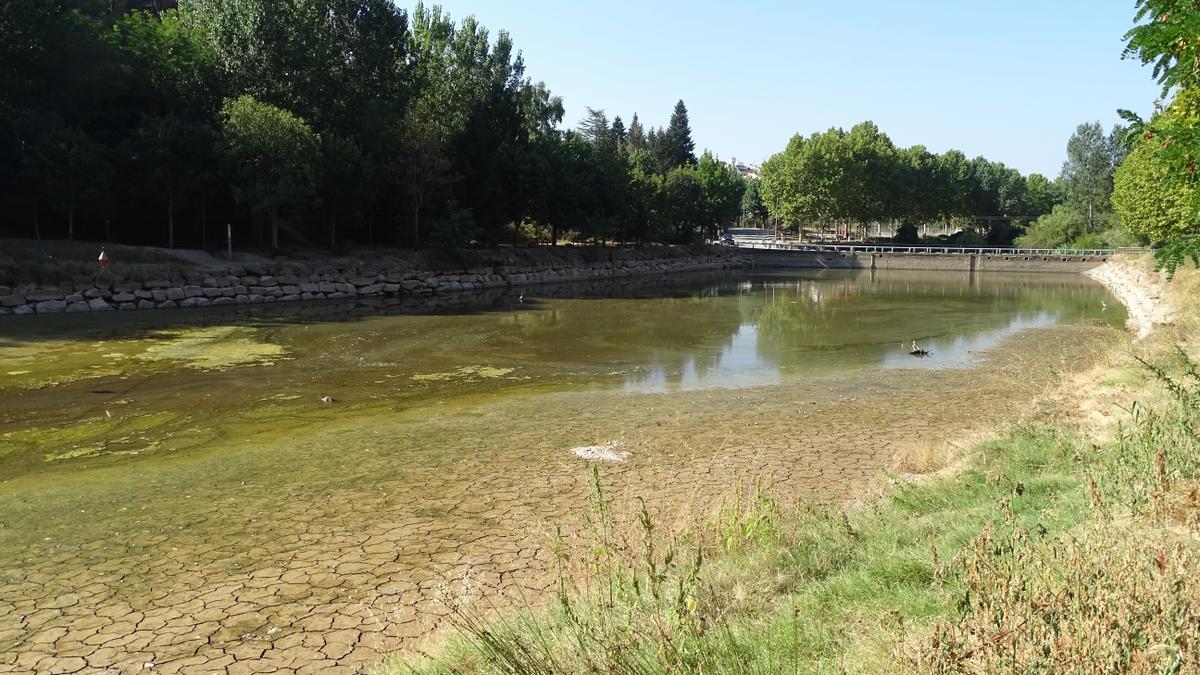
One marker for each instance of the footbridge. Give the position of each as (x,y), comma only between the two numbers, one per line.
(882,256)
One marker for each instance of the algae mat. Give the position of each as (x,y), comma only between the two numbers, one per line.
(175,495)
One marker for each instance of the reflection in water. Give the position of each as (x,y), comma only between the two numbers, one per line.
(821,322)
(738,365)
(120,388)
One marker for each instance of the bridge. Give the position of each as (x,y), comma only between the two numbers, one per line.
(891,256)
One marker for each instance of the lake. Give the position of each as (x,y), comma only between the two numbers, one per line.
(308,483)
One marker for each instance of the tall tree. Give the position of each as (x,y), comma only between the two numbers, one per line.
(675,145)
(636,138)
(75,170)
(1087,174)
(274,154)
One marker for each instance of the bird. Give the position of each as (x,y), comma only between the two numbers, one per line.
(917,351)
(521,298)
(327,399)
(1103,306)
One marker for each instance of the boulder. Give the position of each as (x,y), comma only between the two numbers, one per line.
(51,306)
(99,305)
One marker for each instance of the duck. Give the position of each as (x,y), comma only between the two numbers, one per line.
(917,351)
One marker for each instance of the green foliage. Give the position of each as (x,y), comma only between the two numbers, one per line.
(456,230)
(1087,175)
(861,177)
(274,154)
(1165,37)
(1174,254)
(1066,227)
(1150,204)
(753,210)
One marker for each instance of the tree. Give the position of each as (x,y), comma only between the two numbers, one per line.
(176,153)
(680,205)
(1041,195)
(75,170)
(1087,174)
(636,138)
(675,147)
(1149,204)
(274,155)
(425,167)
(722,188)
(753,210)
(341,183)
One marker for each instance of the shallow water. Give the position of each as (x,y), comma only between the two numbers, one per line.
(147,459)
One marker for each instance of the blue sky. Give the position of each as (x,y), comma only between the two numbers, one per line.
(1007,79)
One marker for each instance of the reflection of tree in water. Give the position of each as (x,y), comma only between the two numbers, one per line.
(657,337)
(796,318)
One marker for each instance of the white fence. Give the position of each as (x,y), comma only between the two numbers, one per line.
(761,243)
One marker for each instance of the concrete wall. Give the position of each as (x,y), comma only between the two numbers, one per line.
(923,261)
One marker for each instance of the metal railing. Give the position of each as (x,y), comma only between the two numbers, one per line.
(757,243)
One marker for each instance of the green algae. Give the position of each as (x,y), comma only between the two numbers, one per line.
(465,373)
(214,348)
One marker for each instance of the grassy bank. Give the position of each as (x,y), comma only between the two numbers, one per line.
(1068,543)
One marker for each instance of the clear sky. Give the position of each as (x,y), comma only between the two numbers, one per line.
(1006,79)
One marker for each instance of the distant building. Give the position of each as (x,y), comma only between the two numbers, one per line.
(746,170)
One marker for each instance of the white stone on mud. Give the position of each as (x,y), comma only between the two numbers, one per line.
(609,452)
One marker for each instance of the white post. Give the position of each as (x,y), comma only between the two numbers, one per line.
(229,242)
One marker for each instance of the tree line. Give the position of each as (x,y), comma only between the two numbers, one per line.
(313,122)
(856,177)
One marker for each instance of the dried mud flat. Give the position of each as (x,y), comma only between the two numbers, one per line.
(354,556)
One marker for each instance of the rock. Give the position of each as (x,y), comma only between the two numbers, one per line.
(167,305)
(145,304)
(158,295)
(267,281)
(14,300)
(309,287)
(326,287)
(79,306)
(175,293)
(21,310)
(290,298)
(94,293)
(126,306)
(5,290)
(42,295)
(99,305)
(74,297)
(224,300)
(124,296)
(50,306)
(192,291)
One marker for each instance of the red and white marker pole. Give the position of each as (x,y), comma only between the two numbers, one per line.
(103,259)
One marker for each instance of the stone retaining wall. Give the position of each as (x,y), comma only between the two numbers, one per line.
(289,282)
